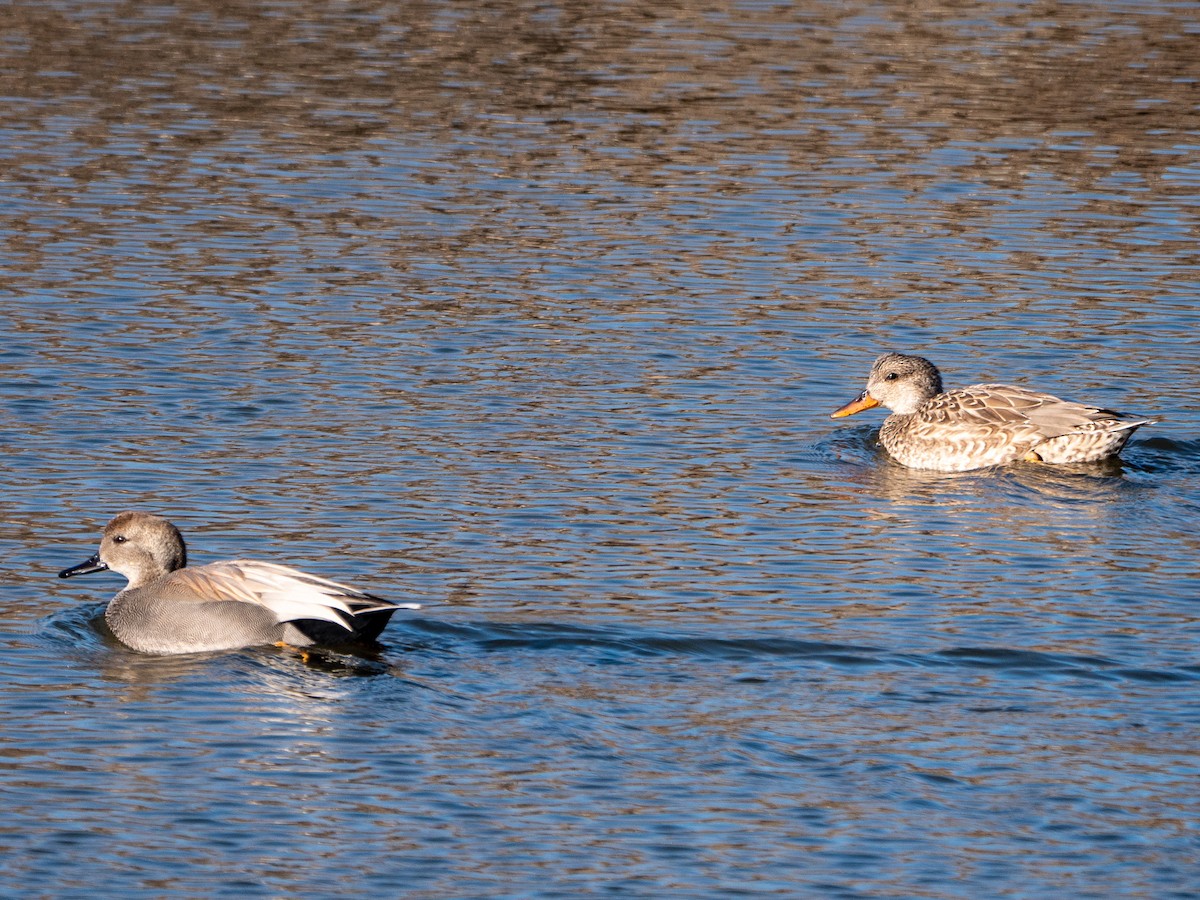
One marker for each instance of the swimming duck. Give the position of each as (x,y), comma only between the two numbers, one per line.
(171,607)
(982,425)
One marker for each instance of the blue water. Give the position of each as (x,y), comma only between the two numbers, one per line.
(535,316)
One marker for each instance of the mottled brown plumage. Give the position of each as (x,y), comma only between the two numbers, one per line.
(982,425)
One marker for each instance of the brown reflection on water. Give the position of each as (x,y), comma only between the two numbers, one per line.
(229,147)
(639,88)
(535,314)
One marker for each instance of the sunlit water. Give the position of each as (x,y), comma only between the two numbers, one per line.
(535,315)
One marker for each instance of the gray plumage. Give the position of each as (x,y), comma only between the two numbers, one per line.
(170,607)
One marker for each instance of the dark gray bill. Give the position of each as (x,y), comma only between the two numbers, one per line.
(87,567)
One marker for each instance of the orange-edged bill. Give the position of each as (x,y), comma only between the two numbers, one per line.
(858,404)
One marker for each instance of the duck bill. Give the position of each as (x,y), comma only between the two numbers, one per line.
(857,405)
(87,567)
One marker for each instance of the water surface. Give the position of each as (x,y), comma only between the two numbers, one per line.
(535,315)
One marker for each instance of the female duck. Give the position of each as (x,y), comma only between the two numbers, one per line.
(982,425)
(170,607)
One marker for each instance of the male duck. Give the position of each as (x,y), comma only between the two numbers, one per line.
(170,607)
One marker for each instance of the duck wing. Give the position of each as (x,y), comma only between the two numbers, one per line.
(1007,407)
(982,407)
(287,593)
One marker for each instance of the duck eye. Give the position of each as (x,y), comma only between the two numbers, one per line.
(119,539)
(891,376)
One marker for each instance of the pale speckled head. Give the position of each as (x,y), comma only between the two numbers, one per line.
(901,383)
(140,546)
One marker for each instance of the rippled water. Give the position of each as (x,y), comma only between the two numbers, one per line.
(535,315)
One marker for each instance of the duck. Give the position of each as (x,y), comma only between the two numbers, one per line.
(169,607)
(984,424)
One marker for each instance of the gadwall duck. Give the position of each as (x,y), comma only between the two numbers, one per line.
(982,425)
(170,607)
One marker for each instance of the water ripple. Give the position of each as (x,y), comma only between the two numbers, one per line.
(535,314)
